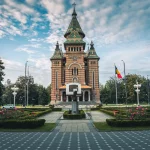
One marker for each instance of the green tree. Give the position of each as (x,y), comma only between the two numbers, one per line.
(43,98)
(49,92)
(1,79)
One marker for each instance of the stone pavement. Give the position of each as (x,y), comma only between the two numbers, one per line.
(98,116)
(127,140)
(75,126)
(52,117)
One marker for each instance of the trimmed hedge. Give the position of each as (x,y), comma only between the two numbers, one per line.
(22,124)
(127,123)
(68,115)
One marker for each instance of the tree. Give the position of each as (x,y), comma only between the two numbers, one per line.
(1,79)
(49,92)
(43,98)
(108,92)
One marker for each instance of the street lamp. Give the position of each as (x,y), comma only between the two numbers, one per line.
(25,82)
(15,89)
(137,86)
(148,85)
(125,80)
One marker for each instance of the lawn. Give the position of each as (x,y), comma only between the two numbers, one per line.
(46,128)
(102,126)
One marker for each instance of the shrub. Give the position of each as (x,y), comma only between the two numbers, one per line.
(127,123)
(67,115)
(14,124)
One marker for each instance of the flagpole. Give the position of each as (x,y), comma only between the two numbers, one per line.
(116,86)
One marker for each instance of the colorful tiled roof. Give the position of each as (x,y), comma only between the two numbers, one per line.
(74,26)
(92,53)
(57,53)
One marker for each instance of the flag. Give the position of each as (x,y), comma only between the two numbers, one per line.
(118,73)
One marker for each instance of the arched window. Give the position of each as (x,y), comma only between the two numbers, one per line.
(69,49)
(72,71)
(64,76)
(80,48)
(75,80)
(77,71)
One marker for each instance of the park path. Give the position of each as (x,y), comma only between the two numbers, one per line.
(84,125)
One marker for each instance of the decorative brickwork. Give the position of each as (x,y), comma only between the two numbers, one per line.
(75,66)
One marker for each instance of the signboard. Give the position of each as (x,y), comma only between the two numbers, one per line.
(71,87)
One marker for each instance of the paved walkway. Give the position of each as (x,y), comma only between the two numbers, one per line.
(52,117)
(75,125)
(98,116)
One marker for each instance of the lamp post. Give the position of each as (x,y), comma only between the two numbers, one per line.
(125,80)
(25,83)
(15,89)
(148,85)
(137,86)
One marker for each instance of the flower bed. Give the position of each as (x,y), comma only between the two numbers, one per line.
(68,115)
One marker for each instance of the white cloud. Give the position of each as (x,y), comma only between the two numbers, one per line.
(30,2)
(25,49)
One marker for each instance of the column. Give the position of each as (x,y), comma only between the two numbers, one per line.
(83,96)
(61,96)
(67,99)
(89,95)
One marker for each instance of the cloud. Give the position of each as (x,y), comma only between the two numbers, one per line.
(24,49)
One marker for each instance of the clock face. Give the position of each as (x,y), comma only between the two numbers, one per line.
(74,58)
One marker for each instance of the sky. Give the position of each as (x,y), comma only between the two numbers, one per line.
(29,30)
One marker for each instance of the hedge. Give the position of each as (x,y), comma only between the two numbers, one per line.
(68,115)
(22,124)
(127,123)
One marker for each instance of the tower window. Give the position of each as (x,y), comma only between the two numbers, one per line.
(93,78)
(64,76)
(56,80)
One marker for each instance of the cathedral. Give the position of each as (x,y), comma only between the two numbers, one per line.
(75,65)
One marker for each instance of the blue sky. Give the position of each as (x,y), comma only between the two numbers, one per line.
(29,30)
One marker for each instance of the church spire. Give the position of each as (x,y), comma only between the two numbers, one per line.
(74,10)
(92,53)
(74,25)
(57,53)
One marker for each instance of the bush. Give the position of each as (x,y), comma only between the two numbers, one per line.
(127,123)
(22,124)
(67,115)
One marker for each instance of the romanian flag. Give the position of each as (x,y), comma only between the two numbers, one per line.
(118,73)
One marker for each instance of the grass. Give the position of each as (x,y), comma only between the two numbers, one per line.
(46,128)
(103,126)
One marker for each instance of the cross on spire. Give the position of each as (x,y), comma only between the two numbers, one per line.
(74,11)
(74,4)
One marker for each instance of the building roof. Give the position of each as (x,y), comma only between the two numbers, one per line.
(82,87)
(92,53)
(57,53)
(74,25)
